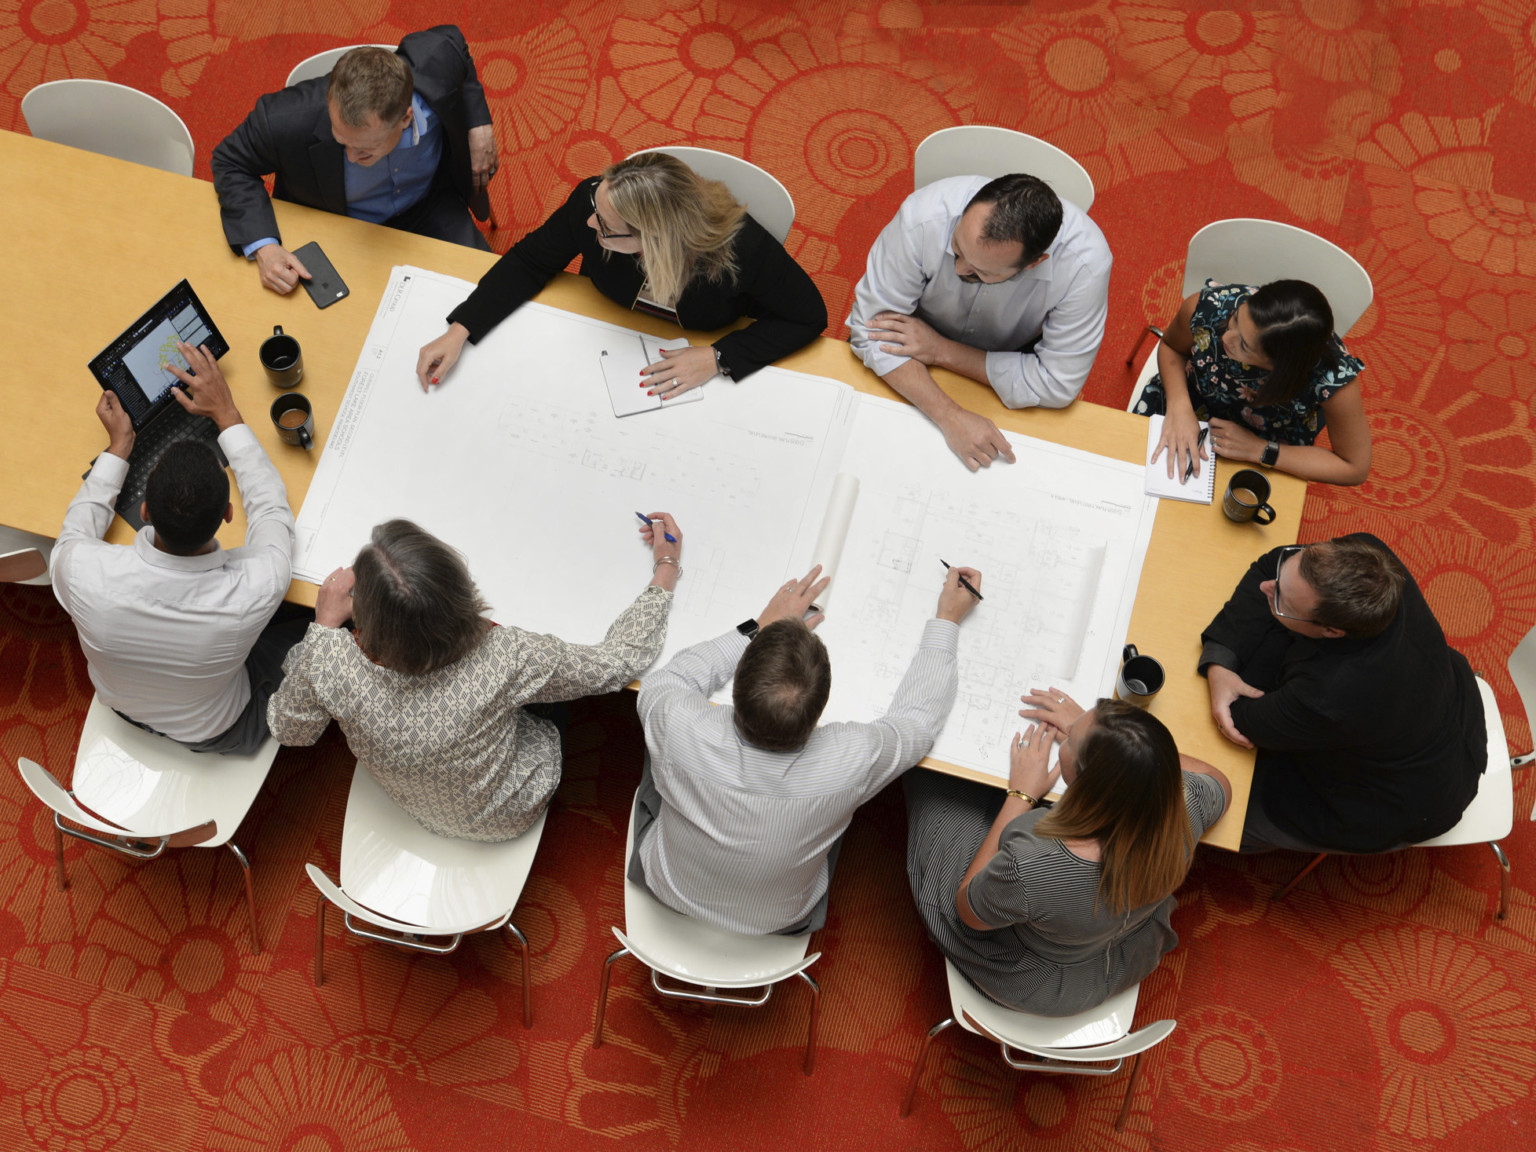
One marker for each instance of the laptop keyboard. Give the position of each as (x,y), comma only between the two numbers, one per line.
(174,424)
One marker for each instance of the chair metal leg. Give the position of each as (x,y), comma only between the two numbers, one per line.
(62,878)
(1503,877)
(320,903)
(522,944)
(602,996)
(250,897)
(1130,1090)
(810,1035)
(1141,338)
(1299,877)
(922,1059)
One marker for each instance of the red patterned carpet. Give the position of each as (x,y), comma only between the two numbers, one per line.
(1379,1008)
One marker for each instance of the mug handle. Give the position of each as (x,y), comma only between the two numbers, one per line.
(277,329)
(1128,653)
(1258,514)
(305,439)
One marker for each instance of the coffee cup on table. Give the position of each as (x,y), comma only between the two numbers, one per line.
(282,358)
(1141,677)
(294,420)
(1247,493)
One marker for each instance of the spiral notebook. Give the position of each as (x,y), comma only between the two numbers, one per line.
(1199,489)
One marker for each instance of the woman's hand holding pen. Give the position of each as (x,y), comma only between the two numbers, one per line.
(665,540)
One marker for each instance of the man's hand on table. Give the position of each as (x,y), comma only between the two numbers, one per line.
(207,392)
(280,269)
(1227,686)
(115,419)
(434,359)
(974,438)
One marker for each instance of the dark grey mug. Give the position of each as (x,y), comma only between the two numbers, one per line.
(1247,493)
(294,420)
(1141,678)
(282,358)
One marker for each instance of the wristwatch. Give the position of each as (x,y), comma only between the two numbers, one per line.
(1271,454)
(748,628)
(720,365)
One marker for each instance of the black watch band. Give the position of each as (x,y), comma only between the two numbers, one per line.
(1271,454)
(748,628)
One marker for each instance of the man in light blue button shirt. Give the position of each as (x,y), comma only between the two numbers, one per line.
(397,138)
(1000,281)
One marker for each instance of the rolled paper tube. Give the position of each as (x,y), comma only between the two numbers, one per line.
(834,530)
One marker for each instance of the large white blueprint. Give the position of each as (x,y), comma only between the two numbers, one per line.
(1059,538)
(518,461)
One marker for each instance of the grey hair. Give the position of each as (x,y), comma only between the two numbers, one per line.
(414,605)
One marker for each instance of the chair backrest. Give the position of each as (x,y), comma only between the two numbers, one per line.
(982,150)
(1248,251)
(1090,1030)
(53,794)
(321,63)
(765,198)
(111,119)
(23,566)
(1522,670)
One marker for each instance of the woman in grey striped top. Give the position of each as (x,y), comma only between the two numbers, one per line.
(1054,910)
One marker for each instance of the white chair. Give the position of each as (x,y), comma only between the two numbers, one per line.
(1522,670)
(982,150)
(704,957)
(321,63)
(1488,819)
(1065,1045)
(765,198)
(139,794)
(411,883)
(23,557)
(111,119)
(1247,251)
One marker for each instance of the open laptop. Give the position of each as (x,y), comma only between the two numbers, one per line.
(130,366)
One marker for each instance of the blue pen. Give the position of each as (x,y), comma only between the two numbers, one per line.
(646,520)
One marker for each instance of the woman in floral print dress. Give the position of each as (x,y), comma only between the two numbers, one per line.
(1264,367)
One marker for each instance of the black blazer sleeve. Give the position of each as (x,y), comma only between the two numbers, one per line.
(784,301)
(445,77)
(1244,623)
(240,161)
(528,265)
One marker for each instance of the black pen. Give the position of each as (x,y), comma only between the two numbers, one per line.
(964,583)
(1199,440)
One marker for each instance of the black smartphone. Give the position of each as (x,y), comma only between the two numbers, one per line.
(325,286)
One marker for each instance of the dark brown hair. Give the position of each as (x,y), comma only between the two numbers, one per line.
(1025,210)
(1294,323)
(782,683)
(414,606)
(370,81)
(1128,796)
(1359,585)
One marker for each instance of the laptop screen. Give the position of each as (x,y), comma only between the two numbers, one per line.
(131,365)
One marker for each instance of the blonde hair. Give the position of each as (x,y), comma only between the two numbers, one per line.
(686,224)
(1129,796)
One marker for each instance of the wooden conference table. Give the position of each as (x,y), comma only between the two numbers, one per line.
(91,242)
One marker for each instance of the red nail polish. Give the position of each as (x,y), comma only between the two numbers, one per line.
(652,392)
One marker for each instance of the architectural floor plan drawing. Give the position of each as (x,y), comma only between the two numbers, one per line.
(519,461)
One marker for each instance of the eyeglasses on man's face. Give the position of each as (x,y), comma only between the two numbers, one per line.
(1277,601)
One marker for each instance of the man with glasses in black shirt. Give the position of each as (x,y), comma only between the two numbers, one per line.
(1368,725)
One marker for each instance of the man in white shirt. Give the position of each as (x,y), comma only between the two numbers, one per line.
(998,280)
(175,629)
(741,810)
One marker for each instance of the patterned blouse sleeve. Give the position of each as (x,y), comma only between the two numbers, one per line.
(1340,369)
(556,670)
(295,714)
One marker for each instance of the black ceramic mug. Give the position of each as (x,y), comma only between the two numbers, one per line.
(1247,493)
(294,420)
(282,358)
(1141,678)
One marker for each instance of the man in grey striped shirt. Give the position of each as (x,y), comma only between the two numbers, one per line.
(741,810)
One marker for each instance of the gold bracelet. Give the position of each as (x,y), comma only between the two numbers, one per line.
(1025,796)
(672,560)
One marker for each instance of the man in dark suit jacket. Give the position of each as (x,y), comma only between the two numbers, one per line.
(1369,727)
(403,139)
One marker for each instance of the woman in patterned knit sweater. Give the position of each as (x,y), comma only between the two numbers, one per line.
(434,698)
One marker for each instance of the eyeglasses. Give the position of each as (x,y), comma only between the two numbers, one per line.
(602,229)
(1285,554)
